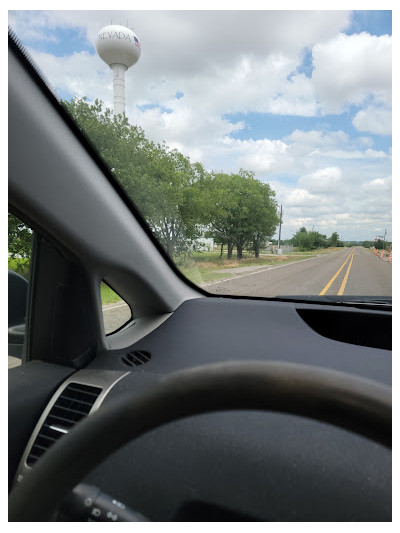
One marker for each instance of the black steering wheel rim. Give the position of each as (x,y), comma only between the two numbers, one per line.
(359,405)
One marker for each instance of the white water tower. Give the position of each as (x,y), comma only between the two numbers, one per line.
(120,48)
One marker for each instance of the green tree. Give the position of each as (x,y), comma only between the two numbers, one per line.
(220,202)
(174,203)
(309,240)
(241,211)
(19,246)
(19,238)
(122,145)
(333,239)
(299,239)
(158,180)
(318,240)
(304,241)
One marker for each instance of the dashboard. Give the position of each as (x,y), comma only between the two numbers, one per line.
(237,465)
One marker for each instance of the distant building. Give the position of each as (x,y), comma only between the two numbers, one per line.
(203,245)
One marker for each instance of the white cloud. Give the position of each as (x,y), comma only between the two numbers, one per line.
(297,97)
(317,139)
(351,68)
(302,198)
(79,74)
(326,181)
(260,156)
(378,186)
(179,126)
(376,120)
(356,154)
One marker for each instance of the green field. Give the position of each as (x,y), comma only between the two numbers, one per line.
(108,296)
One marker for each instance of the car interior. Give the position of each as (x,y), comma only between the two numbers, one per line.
(200,408)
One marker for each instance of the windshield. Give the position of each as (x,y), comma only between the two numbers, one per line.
(256,144)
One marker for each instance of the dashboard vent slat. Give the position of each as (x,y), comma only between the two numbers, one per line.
(73,404)
(136,358)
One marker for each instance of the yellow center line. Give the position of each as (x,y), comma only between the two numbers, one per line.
(324,290)
(343,285)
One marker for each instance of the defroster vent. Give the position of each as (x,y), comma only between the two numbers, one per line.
(73,404)
(136,358)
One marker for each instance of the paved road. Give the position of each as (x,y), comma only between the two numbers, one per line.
(115,316)
(351,271)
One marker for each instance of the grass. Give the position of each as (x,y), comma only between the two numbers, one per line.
(200,275)
(202,267)
(323,251)
(108,296)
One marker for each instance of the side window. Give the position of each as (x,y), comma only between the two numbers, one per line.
(116,312)
(20,238)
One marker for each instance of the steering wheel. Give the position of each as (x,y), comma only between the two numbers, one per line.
(359,405)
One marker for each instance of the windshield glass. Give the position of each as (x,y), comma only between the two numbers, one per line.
(256,144)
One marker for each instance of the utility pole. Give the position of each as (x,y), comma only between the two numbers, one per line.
(279,236)
(384,239)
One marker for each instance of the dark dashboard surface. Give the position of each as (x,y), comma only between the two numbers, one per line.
(247,465)
(208,330)
(261,466)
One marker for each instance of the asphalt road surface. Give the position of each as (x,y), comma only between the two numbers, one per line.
(115,316)
(351,271)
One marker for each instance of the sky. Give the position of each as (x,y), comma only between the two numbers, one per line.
(301,98)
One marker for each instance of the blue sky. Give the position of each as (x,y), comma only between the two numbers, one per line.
(62,42)
(259,125)
(375,22)
(302,99)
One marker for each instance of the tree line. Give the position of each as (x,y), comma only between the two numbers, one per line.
(378,243)
(311,240)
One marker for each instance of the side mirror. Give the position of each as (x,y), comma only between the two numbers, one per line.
(17,304)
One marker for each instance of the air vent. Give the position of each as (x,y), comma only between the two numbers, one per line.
(73,404)
(136,358)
